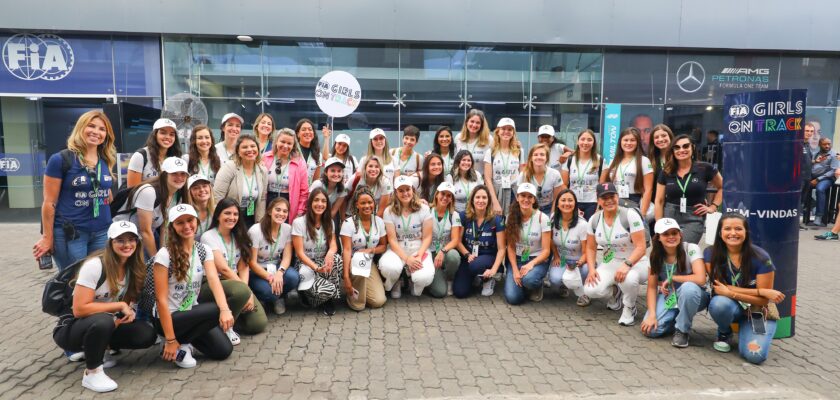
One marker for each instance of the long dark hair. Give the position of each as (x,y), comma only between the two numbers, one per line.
(239,232)
(594,155)
(265,222)
(427,183)
(153,148)
(195,156)
(720,255)
(654,154)
(313,146)
(158,183)
(179,259)
(325,217)
(135,270)
(557,221)
(639,184)
(436,146)
(513,224)
(658,255)
(456,169)
(671,163)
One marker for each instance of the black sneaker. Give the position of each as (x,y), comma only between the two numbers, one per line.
(827,236)
(680,339)
(328,308)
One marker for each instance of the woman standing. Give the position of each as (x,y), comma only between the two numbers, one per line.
(431,177)
(264,132)
(379,185)
(271,256)
(75,224)
(529,247)
(559,152)
(742,275)
(309,148)
(464,178)
(475,137)
(202,158)
(502,164)
(681,189)
(231,127)
(109,281)
(548,181)
(582,171)
(318,259)
(287,174)
(409,226)
(332,181)
(633,191)
(442,146)
(162,143)
(446,236)
(363,237)
(659,149)
(378,147)
(244,180)
(201,198)
(408,161)
(569,265)
(482,247)
(676,289)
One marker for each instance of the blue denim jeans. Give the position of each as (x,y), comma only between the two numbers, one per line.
(753,347)
(467,271)
(822,190)
(691,299)
(531,281)
(262,289)
(66,252)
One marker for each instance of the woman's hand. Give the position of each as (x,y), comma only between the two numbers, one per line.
(721,289)
(488,274)
(621,274)
(349,290)
(326,131)
(128,314)
(523,270)
(439,260)
(170,350)
(703,209)
(471,257)
(555,262)
(663,288)
(328,264)
(42,246)
(413,263)
(277,283)
(249,306)
(497,208)
(517,277)
(593,278)
(773,295)
(649,324)
(226,320)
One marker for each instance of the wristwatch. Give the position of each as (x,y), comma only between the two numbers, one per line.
(628,263)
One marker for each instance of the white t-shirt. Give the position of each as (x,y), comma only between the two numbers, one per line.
(385,187)
(278,183)
(692,253)
(214,241)
(442,228)
(89,274)
(333,195)
(314,248)
(264,249)
(569,243)
(204,169)
(545,189)
(178,290)
(625,174)
(409,228)
(413,164)
(478,152)
(136,164)
(144,199)
(311,165)
(463,189)
(557,150)
(359,238)
(387,169)
(222,152)
(250,188)
(621,242)
(203,225)
(505,167)
(532,229)
(583,180)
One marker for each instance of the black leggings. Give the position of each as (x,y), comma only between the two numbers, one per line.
(199,327)
(95,333)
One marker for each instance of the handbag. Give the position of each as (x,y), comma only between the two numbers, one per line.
(770,311)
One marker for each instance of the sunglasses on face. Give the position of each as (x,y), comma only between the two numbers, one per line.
(684,146)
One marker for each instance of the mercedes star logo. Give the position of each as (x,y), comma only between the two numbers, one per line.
(181,208)
(691,76)
(124,225)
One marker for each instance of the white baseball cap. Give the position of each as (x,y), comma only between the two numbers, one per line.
(172,165)
(376,132)
(163,123)
(546,130)
(506,122)
(666,224)
(118,228)
(232,115)
(403,180)
(343,138)
(446,187)
(333,160)
(527,188)
(180,210)
(196,178)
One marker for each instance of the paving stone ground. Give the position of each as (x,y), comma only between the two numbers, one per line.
(428,348)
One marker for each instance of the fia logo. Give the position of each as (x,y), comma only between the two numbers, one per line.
(739,111)
(79,180)
(30,57)
(9,164)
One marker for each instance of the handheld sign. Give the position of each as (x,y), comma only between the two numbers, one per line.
(338,94)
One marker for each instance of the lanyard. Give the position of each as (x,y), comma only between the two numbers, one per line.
(669,273)
(274,245)
(476,231)
(447,162)
(441,224)
(582,172)
(368,236)
(466,188)
(732,275)
(205,226)
(563,237)
(402,168)
(621,171)
(608,233)
(229,257)
(250,184)
(205,172)
(319,241)
(524,238)
(94,183)
(190,297)
(406,225)
(683,185)
(505,161)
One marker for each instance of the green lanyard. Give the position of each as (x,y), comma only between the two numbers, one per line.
(274,245)
(205,226)
(477,232)
(187,303)
(683,185)
(402,168)
(205,172)
(406,225)
(229,256)
(609,232)
(524,236)
(734,278)
(319,241)
(94,183)
(671,300)
(669,273)
(621,171)
(369,234)
(441,224)
(582,172)
(505,161)
(466,188)
(250,211)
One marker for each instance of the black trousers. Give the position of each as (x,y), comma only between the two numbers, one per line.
(199,327)
(95,333)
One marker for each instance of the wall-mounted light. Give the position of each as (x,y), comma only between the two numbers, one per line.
(708,108)
(244,38)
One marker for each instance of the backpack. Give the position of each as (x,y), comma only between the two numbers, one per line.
(622,219)
(121,197)
(146,300)
(57,299)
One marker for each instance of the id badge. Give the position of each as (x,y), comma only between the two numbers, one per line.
(271,268)
(250,211)
(505,182)
(609,254)
(623,190)
(563,260)
(671,301)
(475,249)
(683,205)
(526,254)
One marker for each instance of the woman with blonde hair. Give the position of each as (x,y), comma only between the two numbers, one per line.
(374,179)
(264,132)
(378,147)
(246,171)
(548,181)
(474,137)
(502,164)
(287,173)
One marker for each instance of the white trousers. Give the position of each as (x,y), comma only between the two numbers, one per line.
(637,276)
(391,266)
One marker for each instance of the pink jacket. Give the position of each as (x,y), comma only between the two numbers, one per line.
(298,185)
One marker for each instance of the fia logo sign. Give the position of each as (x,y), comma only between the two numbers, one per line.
(30,57)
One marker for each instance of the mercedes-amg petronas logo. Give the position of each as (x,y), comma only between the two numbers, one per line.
(691,76)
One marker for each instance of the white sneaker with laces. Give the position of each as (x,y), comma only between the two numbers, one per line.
(488,287)
(396,291)
(188,361)
(233,336)
(97,381)
(449,288)
(413,289)
(75,357)
(108,361)
(614,302)
(628,317)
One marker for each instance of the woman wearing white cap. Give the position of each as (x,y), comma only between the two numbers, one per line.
(244,180)
(108,283)
(482,246)
(547,180)
(332,181)
(308,143)
(502,164)
(161,143)
(378,147)
(569,266)
(202,158)
(475,137)
(231,127)
(464,178)
(374,179)
(559,152)
(409,226)
(624,267)
(182,315)
(264,131)
(528,248)
(363,237)
(318,260)
(148,202)
(676,289)
(631,172)
(340,150)
(287,176)
(446,236)
(201,198)
(407,160)
(582,171)
(271,256)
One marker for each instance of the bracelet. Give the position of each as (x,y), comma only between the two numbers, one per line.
(171,340)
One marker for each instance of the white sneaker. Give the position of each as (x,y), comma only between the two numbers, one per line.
(413,289)
(234,338)
(396,291)
(614,302)
(108,361)
(159,339)
(188,361)
(628,316)
(449,291)
(487,287)
(75,357)
(97,381)
(279,306)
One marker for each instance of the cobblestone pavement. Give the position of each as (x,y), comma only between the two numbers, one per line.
(427,348)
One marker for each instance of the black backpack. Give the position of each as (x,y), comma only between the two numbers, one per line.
(146,301)
(123,195)
(57,299)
